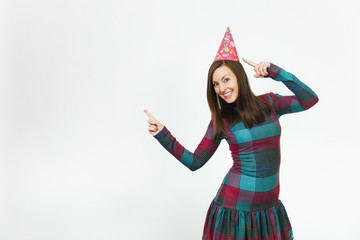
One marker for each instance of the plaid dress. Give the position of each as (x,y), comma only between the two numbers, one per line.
(247,204)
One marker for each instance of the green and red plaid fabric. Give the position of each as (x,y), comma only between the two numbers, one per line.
(247,204)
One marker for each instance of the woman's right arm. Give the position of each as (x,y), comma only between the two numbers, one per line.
(192,160)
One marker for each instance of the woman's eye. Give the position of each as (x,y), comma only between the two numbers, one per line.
(227,79)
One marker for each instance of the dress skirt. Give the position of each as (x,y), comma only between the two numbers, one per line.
(230,224)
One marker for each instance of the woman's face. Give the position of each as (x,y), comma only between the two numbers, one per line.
(225,84)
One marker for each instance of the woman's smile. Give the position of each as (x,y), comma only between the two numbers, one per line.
(228,94)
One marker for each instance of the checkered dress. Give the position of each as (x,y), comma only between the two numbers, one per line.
(247,204)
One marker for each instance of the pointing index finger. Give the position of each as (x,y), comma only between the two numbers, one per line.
(249,62)
(149,114)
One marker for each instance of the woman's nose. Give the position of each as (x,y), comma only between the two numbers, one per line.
(222,88)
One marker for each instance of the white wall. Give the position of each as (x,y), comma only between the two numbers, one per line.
(76,159)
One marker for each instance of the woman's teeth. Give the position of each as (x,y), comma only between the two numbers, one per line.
(227,94)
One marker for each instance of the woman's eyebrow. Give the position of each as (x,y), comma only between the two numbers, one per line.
(222,77)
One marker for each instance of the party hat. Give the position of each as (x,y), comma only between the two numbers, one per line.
(227,50)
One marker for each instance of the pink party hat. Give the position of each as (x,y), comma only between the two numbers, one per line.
(227,50)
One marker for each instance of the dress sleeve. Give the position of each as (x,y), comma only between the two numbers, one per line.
(199,157)
(303,99)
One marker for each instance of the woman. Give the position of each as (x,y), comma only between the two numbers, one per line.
(247,204)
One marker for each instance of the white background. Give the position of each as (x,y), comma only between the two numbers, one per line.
(76,158)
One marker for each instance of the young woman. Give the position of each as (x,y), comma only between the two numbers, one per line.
(247,204)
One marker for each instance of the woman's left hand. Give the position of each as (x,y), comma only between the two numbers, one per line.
(260,68)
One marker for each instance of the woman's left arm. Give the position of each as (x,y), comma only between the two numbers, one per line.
(303,99)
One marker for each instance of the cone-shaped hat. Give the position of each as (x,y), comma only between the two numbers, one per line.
(227,50)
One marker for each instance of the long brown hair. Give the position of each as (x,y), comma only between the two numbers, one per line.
(247,107)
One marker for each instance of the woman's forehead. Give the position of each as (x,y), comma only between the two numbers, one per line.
(221,72)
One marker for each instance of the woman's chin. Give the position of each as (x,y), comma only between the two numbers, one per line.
(229,100)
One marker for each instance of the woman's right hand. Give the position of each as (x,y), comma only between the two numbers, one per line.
(154,125)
